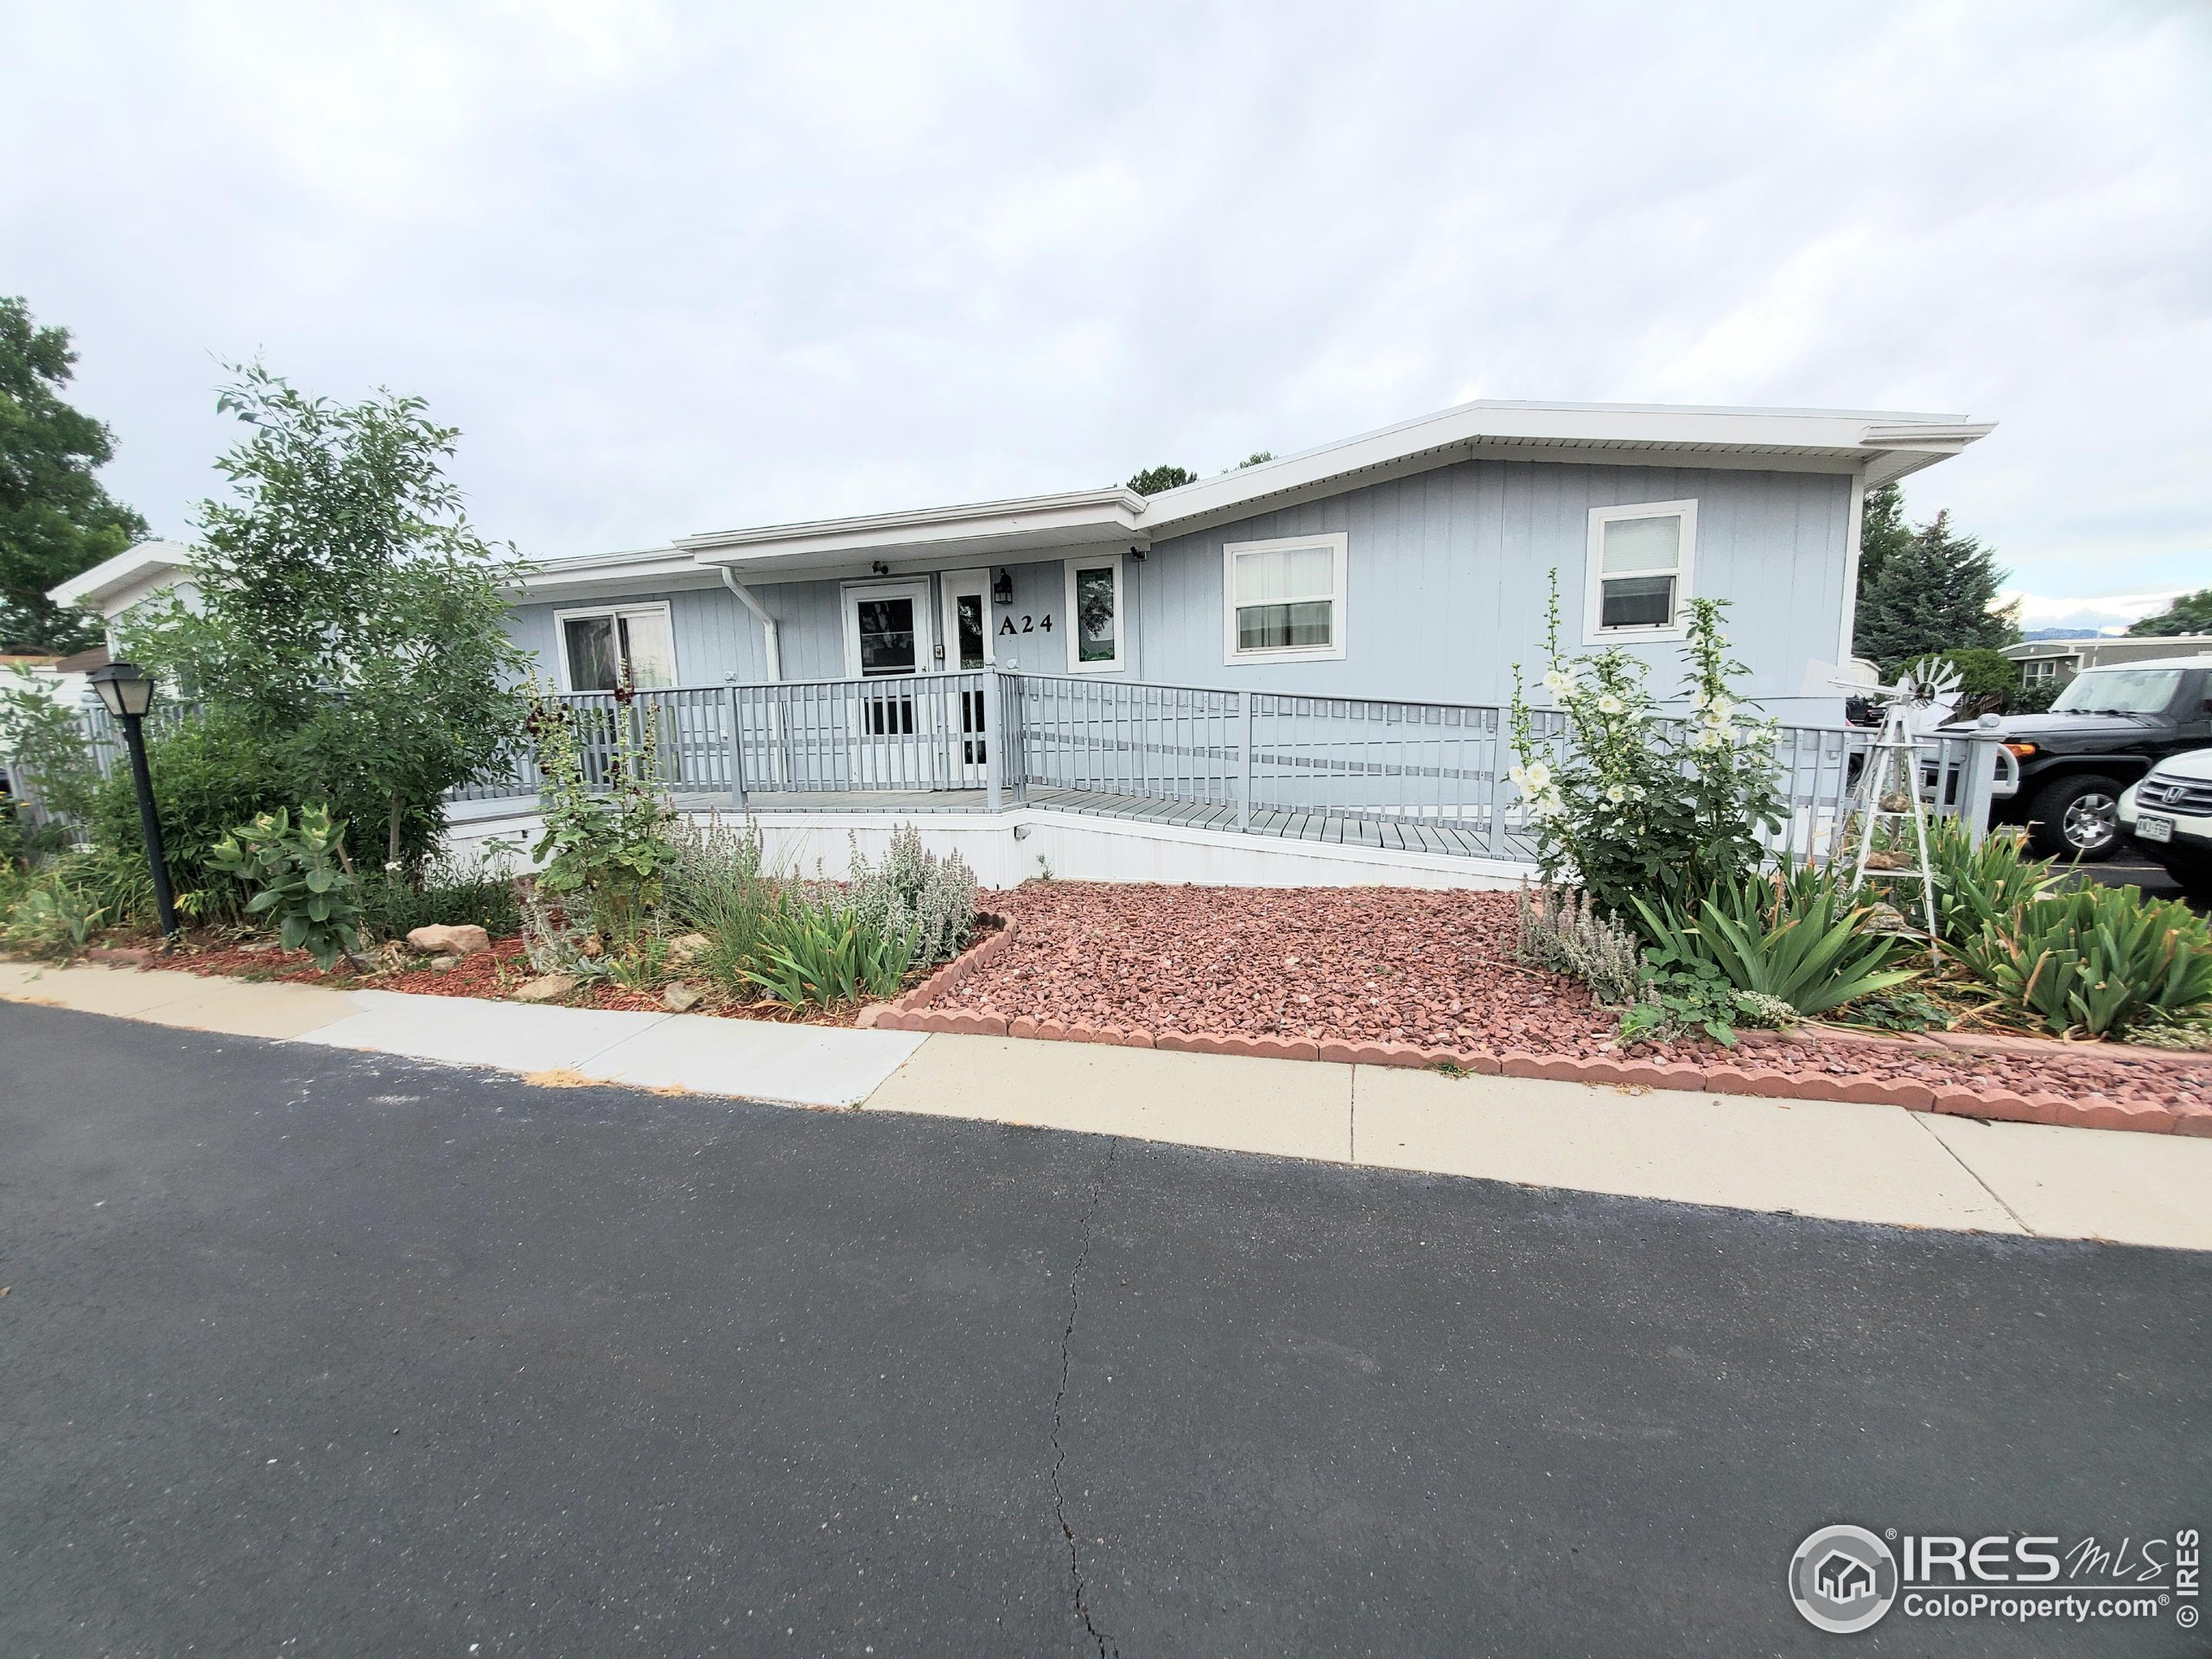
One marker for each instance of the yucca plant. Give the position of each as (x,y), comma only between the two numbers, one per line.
(1976,886)
(2099,960)
(1794,937)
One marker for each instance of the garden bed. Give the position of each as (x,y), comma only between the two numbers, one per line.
(491,976)
(1400,977)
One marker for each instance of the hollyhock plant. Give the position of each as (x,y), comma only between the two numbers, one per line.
(1625,801)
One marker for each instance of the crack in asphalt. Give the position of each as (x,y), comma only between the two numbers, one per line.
(1060,1452)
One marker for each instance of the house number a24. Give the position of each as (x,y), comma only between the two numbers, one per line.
(1029,625)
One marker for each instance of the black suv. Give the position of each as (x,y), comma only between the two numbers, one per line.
(2108,726)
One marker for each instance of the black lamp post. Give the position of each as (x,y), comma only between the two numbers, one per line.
(128,692)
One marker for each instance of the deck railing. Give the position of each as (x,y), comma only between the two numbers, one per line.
(1263,762)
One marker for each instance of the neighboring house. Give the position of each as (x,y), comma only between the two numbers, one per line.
(1409,563)
(2061,660)
(116,586)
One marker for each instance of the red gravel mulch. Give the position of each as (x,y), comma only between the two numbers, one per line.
(1396,964)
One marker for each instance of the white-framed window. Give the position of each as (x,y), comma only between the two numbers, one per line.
(1098,615)
(600,647)
(2045,668)
(1283,601)
(1641,559)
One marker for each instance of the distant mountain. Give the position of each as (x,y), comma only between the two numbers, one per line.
(2064,633)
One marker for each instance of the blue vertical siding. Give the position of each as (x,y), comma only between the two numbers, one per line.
(1447,587)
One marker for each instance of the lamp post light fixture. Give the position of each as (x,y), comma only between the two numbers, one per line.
(127,691)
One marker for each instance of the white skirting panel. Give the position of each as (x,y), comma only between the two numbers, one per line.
(1007,848)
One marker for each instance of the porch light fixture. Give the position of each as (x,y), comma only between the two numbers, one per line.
(880,568)
(1002,586)
(127,692)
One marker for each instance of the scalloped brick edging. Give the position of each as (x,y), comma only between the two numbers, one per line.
(901,1013)
(1744,1076)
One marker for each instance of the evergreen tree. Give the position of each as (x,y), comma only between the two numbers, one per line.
(2189,613)
(55,519)
(1153,480)
(1924,590)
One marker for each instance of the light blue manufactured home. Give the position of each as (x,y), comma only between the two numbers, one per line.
(1409,564)
(1218,681)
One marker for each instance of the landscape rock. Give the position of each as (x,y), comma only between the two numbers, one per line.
(438,939)
(686,948)
(681,998)
(546,987)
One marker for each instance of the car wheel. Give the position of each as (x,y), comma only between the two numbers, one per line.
(2074,819)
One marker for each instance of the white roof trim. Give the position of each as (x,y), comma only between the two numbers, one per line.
(1071,518)
(1878,444)
(147,562)
(1885,444)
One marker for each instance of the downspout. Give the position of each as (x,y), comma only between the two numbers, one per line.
(775,650)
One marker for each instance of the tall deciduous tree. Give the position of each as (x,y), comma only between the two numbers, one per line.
(55,518)
(2189,613)
(349,615)
(1924,590)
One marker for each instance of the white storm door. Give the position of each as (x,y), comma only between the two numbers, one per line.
(968,650)
(887,642)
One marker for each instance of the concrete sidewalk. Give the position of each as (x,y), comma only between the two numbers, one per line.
(1830,1159)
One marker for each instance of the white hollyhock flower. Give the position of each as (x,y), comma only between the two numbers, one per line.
(1519,774)
(1697,698)
(1610,704)
(1616,794)
(1537,779)
(1560,681)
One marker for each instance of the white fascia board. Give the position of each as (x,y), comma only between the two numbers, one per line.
(598,576)
(1780,439)
(1073,519)
(135,567)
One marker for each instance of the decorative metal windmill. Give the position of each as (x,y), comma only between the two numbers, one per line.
(1889,790)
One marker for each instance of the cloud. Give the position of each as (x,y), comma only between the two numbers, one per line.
(676,268)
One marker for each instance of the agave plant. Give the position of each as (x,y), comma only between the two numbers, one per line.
(1794,937)
(2099,960)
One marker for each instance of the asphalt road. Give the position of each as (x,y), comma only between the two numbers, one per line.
(309,1353)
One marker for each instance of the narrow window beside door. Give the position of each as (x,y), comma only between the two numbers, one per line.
(1097,617)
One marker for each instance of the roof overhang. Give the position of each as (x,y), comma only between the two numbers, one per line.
(140,569)
(933,536)
(1875,446)
(1880,446)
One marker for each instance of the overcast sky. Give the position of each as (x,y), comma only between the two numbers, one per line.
(685,268)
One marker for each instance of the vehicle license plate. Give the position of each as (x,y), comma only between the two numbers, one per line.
(2147,829)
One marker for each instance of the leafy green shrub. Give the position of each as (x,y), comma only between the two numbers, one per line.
(814,951)
(1682,996)
(298,879)
(607,855)
(2098,959)
(1636,805)
(1896,1010)
(1795,937)
(210,774)
(48,916)
(914,894)
(45,747)
(1562,932)
(448,892)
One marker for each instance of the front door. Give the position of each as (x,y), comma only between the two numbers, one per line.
(886,639)
(967,649)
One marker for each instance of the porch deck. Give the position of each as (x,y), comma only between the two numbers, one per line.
(1330,829)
